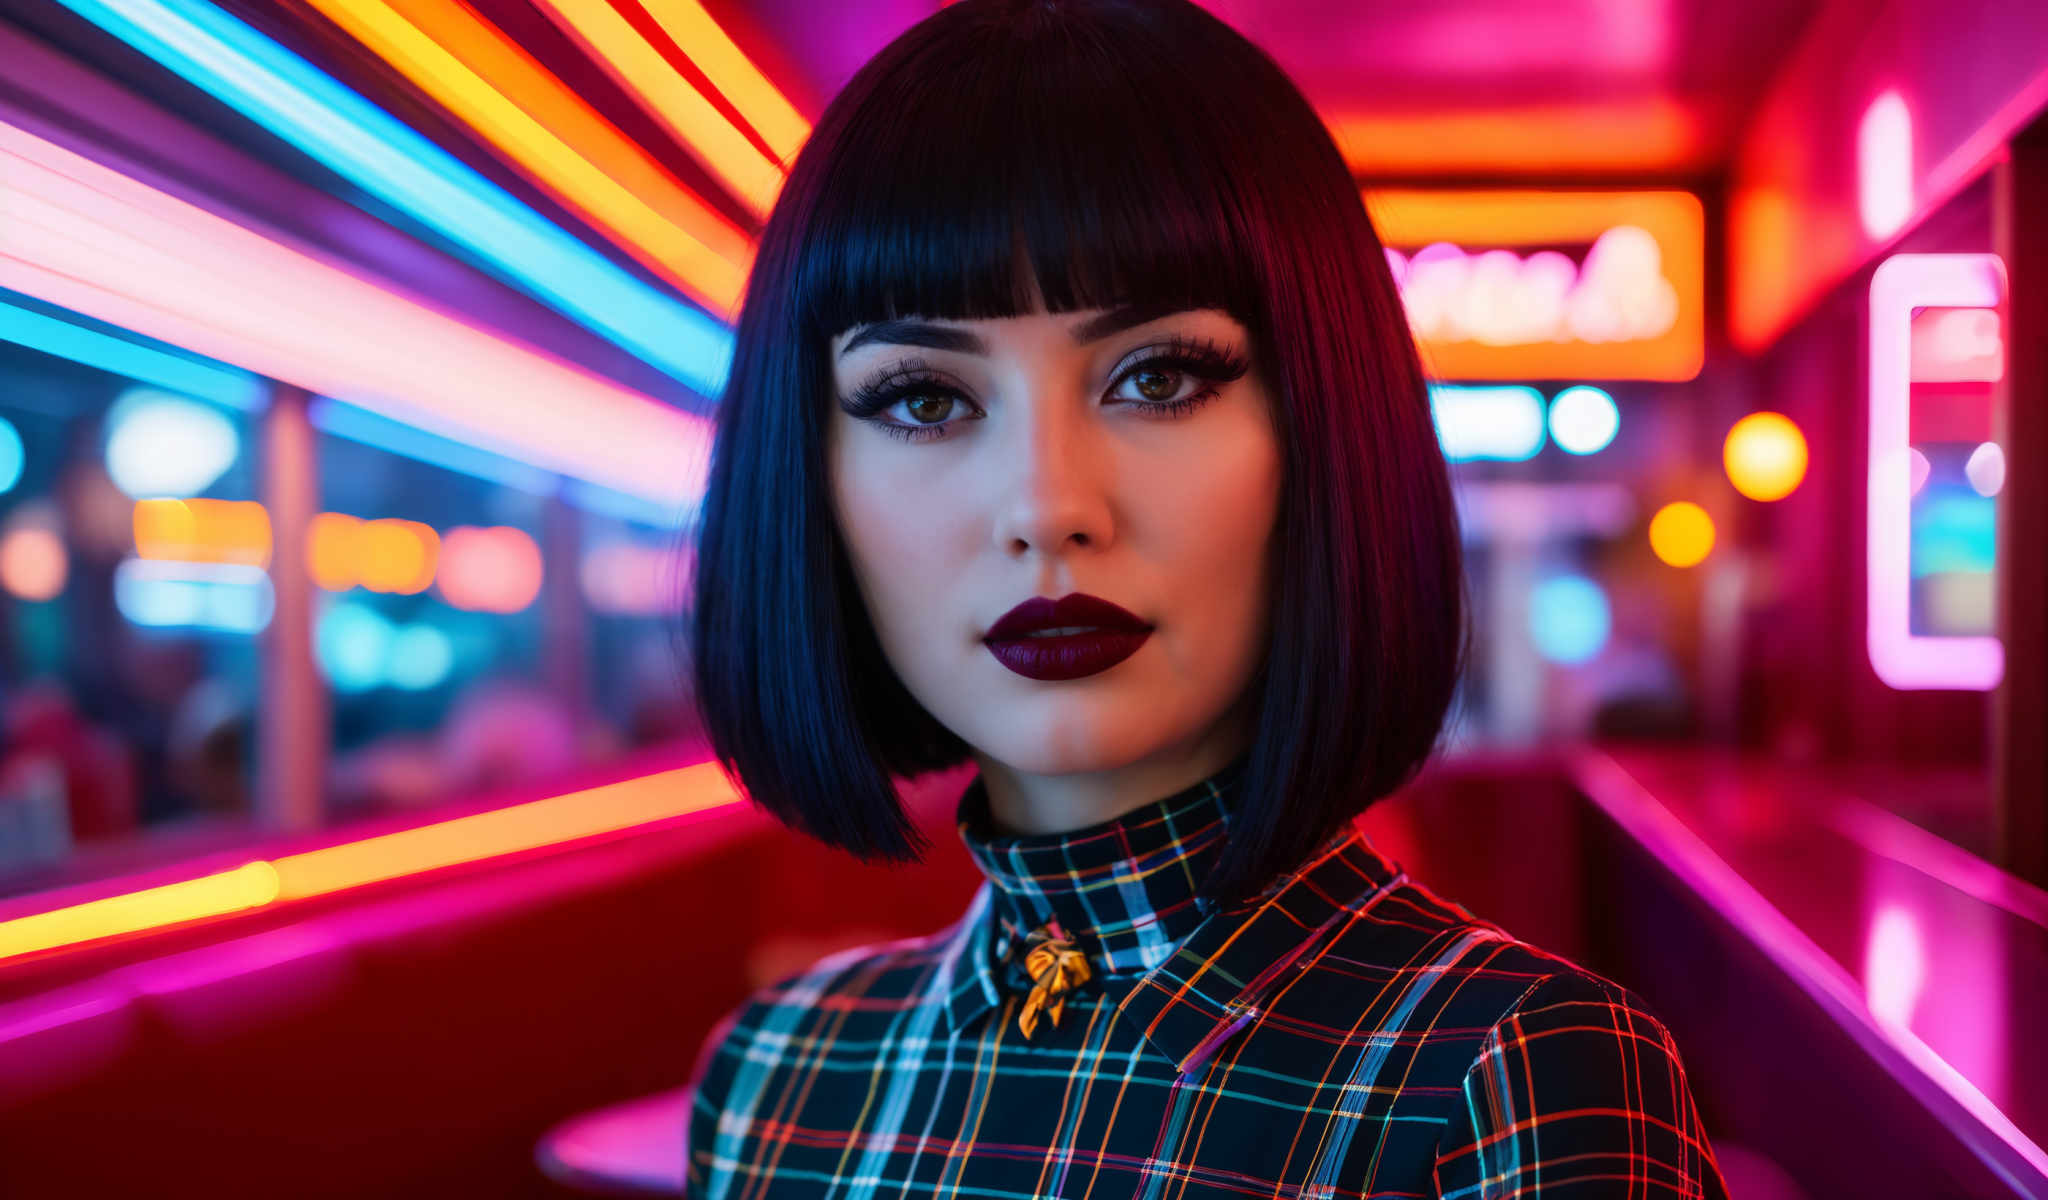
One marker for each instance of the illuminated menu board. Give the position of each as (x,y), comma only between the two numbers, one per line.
(1524,285)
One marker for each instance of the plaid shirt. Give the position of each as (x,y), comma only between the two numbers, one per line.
(1347,1033)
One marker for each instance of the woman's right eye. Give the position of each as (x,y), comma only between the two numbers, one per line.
(926,406)
(929,414)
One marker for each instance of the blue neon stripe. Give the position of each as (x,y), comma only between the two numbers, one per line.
(103,351)
(387,158)
(612,503)
(380,432)
(344,420)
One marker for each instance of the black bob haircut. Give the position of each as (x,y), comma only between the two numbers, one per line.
(1114,151)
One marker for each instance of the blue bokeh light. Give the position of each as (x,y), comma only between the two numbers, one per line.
(1569,618)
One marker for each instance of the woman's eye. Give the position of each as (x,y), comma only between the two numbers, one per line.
(928,408)
(1156,385)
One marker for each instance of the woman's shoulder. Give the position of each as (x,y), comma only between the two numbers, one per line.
(1417,952)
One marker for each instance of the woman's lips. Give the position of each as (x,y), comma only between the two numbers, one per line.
(1068,638)
(1067,656)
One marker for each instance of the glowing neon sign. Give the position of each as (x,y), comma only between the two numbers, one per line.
(1901,284)
(1549,285)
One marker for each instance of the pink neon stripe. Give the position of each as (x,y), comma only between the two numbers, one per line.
(90,239)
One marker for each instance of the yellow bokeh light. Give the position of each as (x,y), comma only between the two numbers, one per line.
(165,528)
(1765,455)
(331,555)
(1681,533)
(226,531)
(397,556)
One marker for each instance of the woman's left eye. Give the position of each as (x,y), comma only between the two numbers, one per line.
(1157,386)
(1160,378)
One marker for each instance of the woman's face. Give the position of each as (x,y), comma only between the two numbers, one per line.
(1043,455)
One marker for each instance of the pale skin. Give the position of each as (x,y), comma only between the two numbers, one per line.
(1049,475)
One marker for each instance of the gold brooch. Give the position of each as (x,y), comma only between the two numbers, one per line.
(1056,968)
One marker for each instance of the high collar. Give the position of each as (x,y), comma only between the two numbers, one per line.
(1124,888)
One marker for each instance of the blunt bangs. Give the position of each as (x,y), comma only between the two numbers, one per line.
(1110,152)
(965,165)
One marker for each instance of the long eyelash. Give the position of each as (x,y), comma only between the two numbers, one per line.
(882,390)
(1200,357)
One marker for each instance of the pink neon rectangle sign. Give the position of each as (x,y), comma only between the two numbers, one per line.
(1901,284)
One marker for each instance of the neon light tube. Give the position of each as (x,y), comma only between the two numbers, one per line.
(1902,658)
(367,428)
(670,97)
(145,364)
(606,502)
(520,827)
(731,72)
(383,156)
(540,125)
(92,240)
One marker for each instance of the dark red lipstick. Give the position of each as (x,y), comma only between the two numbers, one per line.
(1067,638)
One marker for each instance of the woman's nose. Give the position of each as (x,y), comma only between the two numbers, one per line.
(1055,493)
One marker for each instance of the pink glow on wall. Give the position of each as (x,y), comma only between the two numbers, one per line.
(1900,657)
(1969,81)
(1884,166)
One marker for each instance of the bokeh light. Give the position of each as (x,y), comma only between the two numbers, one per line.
(1986,469)
(13,455)
(33,561)
(396,556)
(200,530)
(229,597)
(1500,423)
(1765,455)
(163,444)
(1583,420)
(353,646)
(490,569)
(332,555)
(1569,618)
(1681,533)
(421,657)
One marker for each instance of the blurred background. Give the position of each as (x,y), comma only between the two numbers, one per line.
(357,361)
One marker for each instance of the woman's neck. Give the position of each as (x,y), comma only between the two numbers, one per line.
(1027,804)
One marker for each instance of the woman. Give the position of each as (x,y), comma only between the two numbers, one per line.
(1075,430)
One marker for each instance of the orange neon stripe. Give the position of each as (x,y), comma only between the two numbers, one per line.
(540,125)
(676,102)
(1528,140)
(493,834)
(730,71)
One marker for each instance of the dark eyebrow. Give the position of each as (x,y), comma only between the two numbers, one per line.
(912,332)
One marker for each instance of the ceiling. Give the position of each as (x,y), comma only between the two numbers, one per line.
(1586,88)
